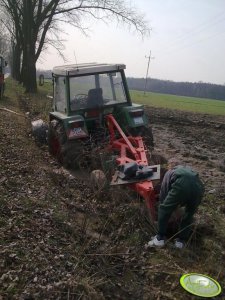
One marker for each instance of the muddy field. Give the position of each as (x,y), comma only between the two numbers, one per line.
(61,239)
(197,140)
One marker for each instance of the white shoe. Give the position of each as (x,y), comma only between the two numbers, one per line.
(179,244)
(155,243)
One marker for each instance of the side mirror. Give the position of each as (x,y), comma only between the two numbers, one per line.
(6,64)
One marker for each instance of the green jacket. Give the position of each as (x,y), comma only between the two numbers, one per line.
(182,183)
(181,186)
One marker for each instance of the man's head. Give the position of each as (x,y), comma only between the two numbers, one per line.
(173,162)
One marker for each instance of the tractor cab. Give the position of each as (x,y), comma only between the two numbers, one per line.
(84,94)
(85,87)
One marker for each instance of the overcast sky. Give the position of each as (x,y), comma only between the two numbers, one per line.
(187,42)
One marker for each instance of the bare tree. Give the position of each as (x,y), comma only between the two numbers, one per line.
(4,39)
(10,20)
(4,44)
(33,20)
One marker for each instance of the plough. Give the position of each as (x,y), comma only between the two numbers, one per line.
(132,156)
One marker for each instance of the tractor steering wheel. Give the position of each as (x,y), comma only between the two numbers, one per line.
(79,100)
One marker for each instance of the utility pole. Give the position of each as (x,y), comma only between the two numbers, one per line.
(146,78)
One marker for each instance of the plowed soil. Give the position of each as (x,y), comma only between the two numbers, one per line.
(62,239)
(196,139)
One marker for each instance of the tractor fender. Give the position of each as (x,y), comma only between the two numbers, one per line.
(69,121)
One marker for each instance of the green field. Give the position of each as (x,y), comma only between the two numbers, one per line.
(199,105)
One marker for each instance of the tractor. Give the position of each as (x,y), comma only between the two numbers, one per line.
(83,96)
(3,64)
(93,114)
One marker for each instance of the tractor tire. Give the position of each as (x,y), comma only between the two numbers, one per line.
(74,156)
(56,139)
(68,153)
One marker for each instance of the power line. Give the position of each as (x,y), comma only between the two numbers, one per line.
(182,39)
(216,19)
(146,78)
(180,47)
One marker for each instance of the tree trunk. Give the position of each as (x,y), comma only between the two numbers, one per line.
(16,63)
(29,68)
(29,62)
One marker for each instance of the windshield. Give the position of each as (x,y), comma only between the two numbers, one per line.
(96,90)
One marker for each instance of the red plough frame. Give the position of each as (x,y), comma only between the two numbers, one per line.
(132,149)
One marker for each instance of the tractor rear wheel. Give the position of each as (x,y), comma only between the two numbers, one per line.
(68,152)
(74,155)
(56,139)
